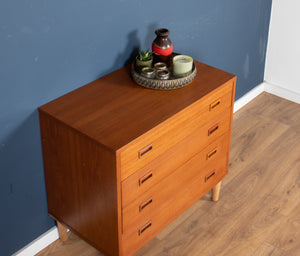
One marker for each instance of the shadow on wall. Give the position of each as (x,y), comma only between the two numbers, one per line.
(132,48)
(127,56)
(22,186)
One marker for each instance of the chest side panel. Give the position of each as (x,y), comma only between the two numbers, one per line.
(81,184)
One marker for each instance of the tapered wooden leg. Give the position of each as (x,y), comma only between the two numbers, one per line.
(62,231)
(216,192)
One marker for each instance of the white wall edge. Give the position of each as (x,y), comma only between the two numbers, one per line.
(248,97)
(51,235)
(282,92)
(39,243)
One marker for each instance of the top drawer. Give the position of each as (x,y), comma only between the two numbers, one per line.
(149,146)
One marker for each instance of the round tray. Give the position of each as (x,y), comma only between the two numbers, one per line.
(163,84)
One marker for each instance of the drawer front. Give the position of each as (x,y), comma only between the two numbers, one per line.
(152,144)
(150,202)
(146,177)
(146,216)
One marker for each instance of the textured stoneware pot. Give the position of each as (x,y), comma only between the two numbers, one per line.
(140,64)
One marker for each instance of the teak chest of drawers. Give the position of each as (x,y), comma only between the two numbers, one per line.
(122,161)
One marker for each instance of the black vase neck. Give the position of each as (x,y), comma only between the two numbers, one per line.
(163,32)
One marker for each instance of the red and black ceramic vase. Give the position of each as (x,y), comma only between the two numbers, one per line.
(162,46)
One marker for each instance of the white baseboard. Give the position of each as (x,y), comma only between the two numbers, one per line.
(39,244)
(248,97)
(269,88)
(51,235)
(282,92)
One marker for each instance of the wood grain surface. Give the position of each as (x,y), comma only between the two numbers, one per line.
(156,170)
(114,110)
(176,128)
(258,213)
(95,137)
(81,184)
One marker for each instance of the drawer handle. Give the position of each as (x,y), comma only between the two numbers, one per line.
(213,129)
(146,203)
(145,150)
(145,227)
(207,177)
(214,104)
(145,178)
(211,153)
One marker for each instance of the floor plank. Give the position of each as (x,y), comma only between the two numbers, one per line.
(73,246)
(288,234)
(259,208)
(268,250)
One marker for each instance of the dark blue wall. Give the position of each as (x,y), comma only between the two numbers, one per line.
(48,48)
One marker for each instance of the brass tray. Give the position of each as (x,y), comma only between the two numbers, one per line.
(163,84)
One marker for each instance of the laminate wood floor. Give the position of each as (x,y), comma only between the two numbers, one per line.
(259,209)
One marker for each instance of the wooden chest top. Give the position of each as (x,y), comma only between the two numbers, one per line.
(114,110)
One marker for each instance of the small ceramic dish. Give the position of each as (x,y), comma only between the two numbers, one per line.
(148,72)
(162,74)
(160,66)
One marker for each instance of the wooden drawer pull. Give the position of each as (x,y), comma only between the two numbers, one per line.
(213,129)
(207,177)
(211,153)
(145,227)
(145,150)
(146,203)
(145,178)
(214,104)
